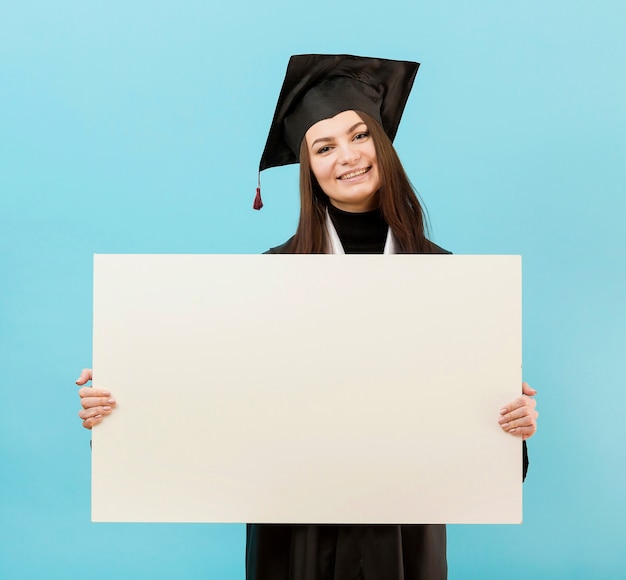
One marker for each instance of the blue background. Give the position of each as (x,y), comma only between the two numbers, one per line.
(138,126)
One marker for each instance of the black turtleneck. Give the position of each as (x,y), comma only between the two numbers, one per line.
(360,233)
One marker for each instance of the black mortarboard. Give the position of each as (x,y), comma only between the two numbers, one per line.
(319,86)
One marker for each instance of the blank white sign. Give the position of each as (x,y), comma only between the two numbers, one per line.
(307,389)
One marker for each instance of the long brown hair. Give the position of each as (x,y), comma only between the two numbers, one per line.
(398,201)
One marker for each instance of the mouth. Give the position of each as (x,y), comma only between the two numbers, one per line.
(354,174)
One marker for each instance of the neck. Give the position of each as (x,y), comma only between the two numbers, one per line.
(360,232)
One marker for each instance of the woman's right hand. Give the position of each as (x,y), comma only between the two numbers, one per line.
(97,403)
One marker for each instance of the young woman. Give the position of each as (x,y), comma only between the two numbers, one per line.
(337,115)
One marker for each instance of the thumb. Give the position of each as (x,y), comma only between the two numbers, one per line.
(85,376)
(528,390)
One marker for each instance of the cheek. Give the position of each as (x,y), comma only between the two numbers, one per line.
(320,170)
(372,154)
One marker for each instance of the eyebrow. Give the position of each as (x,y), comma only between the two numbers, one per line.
(326,139)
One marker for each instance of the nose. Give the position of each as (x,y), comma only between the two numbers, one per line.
(349,154)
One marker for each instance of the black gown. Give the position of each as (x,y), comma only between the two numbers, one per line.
(348,552)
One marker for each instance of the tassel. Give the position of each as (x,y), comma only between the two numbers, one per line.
(258,202)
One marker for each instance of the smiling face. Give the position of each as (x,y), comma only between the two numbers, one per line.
(343,159)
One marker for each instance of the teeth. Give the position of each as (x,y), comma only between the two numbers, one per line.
(353,174)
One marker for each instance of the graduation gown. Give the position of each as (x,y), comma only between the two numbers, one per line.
(347,552)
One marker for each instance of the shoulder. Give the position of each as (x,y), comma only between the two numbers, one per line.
(282,249)
(286,248)
(435,249)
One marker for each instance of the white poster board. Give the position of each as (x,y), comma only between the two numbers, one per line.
(307,389)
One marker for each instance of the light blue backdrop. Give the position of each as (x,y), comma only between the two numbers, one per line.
(138,126)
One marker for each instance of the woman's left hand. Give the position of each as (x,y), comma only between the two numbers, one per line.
(520,417)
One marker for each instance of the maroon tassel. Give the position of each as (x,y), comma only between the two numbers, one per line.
(258,202)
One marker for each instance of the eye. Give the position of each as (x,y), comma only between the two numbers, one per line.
(323,150)
(361,136)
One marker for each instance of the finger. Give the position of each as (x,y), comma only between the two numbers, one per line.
(92,392)
(89,402)
(94,412)
(525,421)
(528,390)
(519,414)
(524,432)
(91,422)
(521,411)
(85,376)
(518,403)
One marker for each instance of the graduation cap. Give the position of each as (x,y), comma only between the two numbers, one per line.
(320,86)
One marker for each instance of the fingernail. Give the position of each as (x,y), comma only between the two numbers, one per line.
(106,408)
(513,430)
(112,401)
(106,393)
(504,426)
(502,411)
